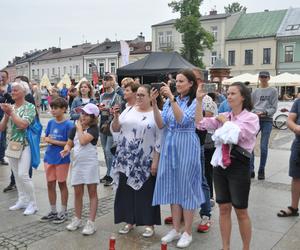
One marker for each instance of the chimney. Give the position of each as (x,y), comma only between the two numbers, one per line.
(213,12)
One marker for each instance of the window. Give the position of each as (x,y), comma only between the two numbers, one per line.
(58,72)
(71,70)
(38,73)
(289,53)
(77,70)
(231,57)
(43,72)
(248,56)
(101,69)
(65,70)
(169,37)
(214,31)
(267,56)
(53,71)
(213,57)
(160,37)
(113,67)
(293,27)
(33,72)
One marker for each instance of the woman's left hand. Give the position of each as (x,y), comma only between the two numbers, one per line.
(153,169)
(222,118)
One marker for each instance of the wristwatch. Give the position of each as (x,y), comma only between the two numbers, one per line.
(172,99)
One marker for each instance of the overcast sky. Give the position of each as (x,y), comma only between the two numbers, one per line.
(37,24)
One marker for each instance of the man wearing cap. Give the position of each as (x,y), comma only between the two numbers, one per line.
(265,100)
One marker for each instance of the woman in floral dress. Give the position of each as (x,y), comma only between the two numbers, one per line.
(135,165)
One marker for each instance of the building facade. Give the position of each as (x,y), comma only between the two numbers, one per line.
(288,43)
(251,45)
(165,37)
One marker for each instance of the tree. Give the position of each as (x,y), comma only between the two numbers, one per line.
(234,8)
(195,37)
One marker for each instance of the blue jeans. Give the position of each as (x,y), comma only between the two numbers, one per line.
(265,129)
(2,144)
(107,142)
(205,207)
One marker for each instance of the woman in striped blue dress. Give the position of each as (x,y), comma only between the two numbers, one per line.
(179,174)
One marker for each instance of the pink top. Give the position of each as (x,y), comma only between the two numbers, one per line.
(247,121)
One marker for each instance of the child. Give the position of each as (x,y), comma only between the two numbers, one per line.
(56,167)
(85,168)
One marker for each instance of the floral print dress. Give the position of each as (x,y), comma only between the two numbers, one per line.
(138,138)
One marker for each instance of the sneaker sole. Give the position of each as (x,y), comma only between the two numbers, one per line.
(59,221)
(85,234)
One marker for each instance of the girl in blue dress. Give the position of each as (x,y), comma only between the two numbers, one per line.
(179,173)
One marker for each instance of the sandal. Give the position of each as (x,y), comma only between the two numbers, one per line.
(285,213)
(149,231)
(126,229)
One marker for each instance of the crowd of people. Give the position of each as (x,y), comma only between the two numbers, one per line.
(162,145)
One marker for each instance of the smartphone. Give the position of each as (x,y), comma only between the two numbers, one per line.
(209,87)
(157,85)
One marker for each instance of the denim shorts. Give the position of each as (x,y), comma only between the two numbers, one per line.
(232,185)
(294,170)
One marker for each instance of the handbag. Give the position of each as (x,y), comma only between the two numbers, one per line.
(240,154)
(14,149)
(33,136)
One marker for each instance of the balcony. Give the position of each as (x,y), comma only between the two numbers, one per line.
(166,46)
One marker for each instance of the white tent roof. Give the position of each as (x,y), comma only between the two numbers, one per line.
(65,80)
(45,82)
(285,79)
(253,79)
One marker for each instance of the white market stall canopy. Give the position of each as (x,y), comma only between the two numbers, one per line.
(253,79)
(285,79)
(65,80)
(45,82)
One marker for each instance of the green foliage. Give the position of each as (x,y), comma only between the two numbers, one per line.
(234,8)
(195,37)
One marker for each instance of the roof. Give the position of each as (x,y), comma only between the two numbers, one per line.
(140,47)
(106,47)
(76,50)
(31,56)
(155,64)
(202,18)
(290,25)
(257,25)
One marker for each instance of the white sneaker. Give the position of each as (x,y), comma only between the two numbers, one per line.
(185,240)
(89,228)
(172,235)
(17,206)
(30,209)
(149,232)
(75,224)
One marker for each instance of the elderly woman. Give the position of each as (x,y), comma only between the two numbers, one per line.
(136,164)
(85,96)
(234,138)
(294,171)
(20,115)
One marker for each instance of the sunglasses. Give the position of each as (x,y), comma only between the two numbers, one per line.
(263,77)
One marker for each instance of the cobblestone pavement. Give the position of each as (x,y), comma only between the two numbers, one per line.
(21,237)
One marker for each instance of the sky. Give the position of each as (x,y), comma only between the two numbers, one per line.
(37,24)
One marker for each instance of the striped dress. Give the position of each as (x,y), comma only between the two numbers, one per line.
(179,173)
